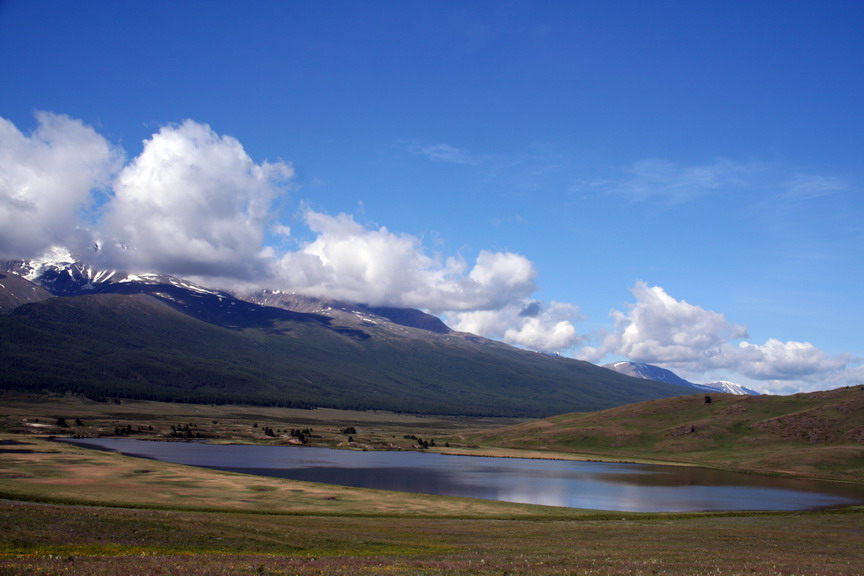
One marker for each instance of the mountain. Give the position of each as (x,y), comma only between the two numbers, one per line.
(731,388)
(651,372)
(110,334)
(15,291)
(299,303)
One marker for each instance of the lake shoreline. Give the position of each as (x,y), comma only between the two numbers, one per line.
(570,483)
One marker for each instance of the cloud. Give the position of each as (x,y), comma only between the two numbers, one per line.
(660,180)
(47,181)
(805,187)
(528,324)
(776,360)
(658,329)
(192,203)
(446,153)
(769,188)
(374,265)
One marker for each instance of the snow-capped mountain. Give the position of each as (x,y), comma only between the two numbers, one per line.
(651,372)
(731,388)
(62,274)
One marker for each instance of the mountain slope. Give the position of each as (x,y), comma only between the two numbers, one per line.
(158,337)
(651,372)
(817,434)
(15,291)
(166,341)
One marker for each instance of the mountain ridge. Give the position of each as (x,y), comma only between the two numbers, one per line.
(159,337)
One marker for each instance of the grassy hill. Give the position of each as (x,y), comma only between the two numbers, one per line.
(193,347)
(819,434)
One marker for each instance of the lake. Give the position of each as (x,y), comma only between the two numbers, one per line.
(591,485)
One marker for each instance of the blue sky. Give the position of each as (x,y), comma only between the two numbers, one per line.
(671,182)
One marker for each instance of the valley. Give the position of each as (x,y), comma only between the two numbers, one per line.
(159,358)
(100,513)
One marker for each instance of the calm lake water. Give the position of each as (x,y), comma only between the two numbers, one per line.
(593,485)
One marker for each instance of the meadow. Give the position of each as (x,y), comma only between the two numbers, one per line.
(68,510)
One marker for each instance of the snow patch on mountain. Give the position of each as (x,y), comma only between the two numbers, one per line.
(61,273)
(651,372)
(731,388)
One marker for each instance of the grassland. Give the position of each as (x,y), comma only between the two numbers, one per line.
(67,510)
(814,435)
(29,414)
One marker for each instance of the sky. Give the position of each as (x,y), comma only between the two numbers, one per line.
(662,181)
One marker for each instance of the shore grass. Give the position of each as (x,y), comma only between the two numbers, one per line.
(37,469)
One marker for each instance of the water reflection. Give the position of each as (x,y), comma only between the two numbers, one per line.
(593,485)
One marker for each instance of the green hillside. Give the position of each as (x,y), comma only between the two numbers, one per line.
(815,434)
(138,346)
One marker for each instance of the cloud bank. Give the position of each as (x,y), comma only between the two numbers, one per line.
(659,329)
(194,204)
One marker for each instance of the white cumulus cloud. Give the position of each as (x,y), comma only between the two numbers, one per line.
(776,360)
(374,265)
(528,324)
(658,329)
(47,182)
(193,203)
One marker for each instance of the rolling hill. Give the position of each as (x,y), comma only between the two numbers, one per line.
(815,434)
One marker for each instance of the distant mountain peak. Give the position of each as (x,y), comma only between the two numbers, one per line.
(651,372)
